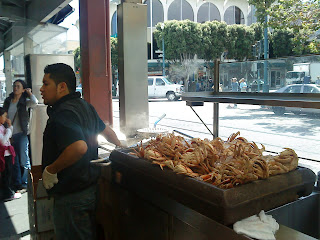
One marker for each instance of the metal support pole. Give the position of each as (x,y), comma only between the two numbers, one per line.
(216,105)
(163,58)
(265,64)
(151,32)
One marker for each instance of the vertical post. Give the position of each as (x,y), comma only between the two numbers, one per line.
(216,105)
(163,62)
(7,72)
(27,45)
(95,57)
(133,67)
(265,64)
(163,57)
(151,32)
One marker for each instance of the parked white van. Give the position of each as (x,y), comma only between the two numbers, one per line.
(160,87)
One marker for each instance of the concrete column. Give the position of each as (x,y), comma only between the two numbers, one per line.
(95,56)
(7,72)
(133,67)
(27,45)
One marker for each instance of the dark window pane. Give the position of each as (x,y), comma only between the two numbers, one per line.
(174,11)
(157,12)
(159,82)
(187,12)
(150,81)
(233,15)
(208,12)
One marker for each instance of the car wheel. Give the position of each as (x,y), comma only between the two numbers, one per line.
(278,110)
(171,96)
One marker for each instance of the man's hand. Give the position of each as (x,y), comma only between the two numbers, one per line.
(49,179)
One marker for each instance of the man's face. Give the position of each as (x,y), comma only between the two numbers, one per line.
(49,90)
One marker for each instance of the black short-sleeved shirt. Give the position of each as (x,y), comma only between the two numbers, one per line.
(72,119)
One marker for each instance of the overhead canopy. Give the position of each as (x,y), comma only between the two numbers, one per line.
(19,17)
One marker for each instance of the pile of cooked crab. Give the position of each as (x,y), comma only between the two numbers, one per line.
(225,164)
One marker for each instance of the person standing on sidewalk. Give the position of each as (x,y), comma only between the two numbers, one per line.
(7,155)
(17,106)
(234,88)
(69,144)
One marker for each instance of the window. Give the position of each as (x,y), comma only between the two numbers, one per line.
(208,12)
(180,10)
(150,81)
(310,89)
(114,24)
(234,15)
(160,82)
(157,12)
(293,89)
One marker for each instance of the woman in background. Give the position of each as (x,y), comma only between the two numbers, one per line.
(17,106)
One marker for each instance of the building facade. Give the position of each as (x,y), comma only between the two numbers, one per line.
(229,11)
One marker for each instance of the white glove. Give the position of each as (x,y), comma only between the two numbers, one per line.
(49,179)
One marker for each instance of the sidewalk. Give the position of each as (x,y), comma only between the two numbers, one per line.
(14,219)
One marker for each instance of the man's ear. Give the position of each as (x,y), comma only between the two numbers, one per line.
(63,87)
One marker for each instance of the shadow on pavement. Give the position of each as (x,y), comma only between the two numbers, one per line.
(304,124)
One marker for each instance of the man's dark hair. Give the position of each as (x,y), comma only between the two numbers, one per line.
(60,72)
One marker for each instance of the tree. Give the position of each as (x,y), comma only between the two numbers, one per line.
(77,58)
(213,35)
(282,42)
(299,16)
(182,40)
(239,41)
(114,52)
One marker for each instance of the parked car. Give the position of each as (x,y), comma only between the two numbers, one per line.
(160,87)
(297,88)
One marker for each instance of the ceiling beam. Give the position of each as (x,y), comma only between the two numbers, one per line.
(18,3)
(43,10)
(4,23)
(11,12)
(1,43)
(37,11)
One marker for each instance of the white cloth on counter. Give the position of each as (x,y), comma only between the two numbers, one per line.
(259,226)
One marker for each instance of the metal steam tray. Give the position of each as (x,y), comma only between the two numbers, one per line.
(223,205)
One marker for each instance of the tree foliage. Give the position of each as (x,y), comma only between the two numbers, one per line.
(114,52)
(282,42)
(239,41)
(213,39)
(182,39)
(77,58)
(299,16)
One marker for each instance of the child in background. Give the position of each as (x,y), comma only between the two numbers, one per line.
(7,155)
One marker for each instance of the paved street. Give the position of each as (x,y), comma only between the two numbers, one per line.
(261,125)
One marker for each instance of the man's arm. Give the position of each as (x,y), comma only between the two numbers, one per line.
(68,157)
(110,135)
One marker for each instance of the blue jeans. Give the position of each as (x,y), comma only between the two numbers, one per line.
(22,160)
(74,215)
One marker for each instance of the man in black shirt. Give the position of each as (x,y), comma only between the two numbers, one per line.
(69,144)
